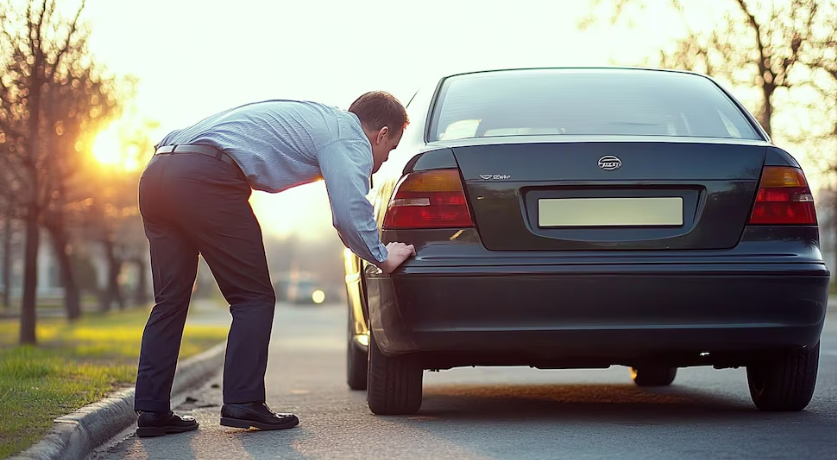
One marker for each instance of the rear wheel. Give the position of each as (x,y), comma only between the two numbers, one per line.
(786,381)
(653,376)
(356,359)
(394,385)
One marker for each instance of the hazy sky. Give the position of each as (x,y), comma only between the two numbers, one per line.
(196,57)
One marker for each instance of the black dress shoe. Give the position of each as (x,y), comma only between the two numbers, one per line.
(162,423)
(256,415)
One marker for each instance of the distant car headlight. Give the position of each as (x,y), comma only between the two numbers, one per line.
(318,296)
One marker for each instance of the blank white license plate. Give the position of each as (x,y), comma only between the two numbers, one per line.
(610,212)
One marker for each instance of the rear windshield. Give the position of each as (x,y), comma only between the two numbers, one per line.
(607,103)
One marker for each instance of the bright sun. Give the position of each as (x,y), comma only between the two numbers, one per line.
(107,148)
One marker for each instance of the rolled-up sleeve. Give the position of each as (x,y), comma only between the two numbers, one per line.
(346,166)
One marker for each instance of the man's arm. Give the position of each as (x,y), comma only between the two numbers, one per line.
(346,170)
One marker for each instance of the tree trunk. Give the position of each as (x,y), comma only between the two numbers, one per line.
(767,115)
(7,260)
(833,224)
(28,315)
(141,296)
(116,292)
(72,294)
(30,274)
(112,292)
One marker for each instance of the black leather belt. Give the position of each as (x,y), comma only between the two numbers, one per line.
(193,148)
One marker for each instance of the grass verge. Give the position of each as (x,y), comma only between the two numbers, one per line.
(72,366)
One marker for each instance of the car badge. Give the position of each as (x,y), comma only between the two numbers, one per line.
(610,163)
(494,176)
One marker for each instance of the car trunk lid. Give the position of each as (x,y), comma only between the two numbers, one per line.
(611,195)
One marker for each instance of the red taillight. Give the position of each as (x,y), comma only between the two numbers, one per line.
(784,198)
(429,199)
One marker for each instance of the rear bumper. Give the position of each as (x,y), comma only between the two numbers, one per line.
(592,315)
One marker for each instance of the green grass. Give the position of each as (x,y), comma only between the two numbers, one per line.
(72,366)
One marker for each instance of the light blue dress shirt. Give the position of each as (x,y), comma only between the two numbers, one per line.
(280,144)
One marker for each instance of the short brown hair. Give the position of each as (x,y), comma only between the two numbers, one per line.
(377,109)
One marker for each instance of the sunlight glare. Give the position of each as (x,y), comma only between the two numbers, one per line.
(130,164)
(107,148)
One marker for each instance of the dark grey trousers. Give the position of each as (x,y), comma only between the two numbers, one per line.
(195,204)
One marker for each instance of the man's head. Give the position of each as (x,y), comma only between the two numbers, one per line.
(383,119)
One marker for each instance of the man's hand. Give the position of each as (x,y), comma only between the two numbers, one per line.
(398,253)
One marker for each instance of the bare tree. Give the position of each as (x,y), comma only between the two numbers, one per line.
(35,45)
(75,103)
(756,45)
(46,67)
(820,54)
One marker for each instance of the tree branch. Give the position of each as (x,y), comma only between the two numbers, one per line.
(38,47)
(63,49)
(759,43)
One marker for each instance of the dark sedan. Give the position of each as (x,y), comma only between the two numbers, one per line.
(584,218)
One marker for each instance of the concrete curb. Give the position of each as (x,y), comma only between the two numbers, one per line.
(74,436)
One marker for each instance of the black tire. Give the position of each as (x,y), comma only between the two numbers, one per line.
(784,382)
(357,364)
(653,376)
(394,385)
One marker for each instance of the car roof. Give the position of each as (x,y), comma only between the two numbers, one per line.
(596,69)
(436,77)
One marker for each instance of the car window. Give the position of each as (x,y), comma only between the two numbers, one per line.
(632,102)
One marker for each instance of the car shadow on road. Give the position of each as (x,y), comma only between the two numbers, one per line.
(611,421)
(585,402)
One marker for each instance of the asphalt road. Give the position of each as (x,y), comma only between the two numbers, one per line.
(497,413)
